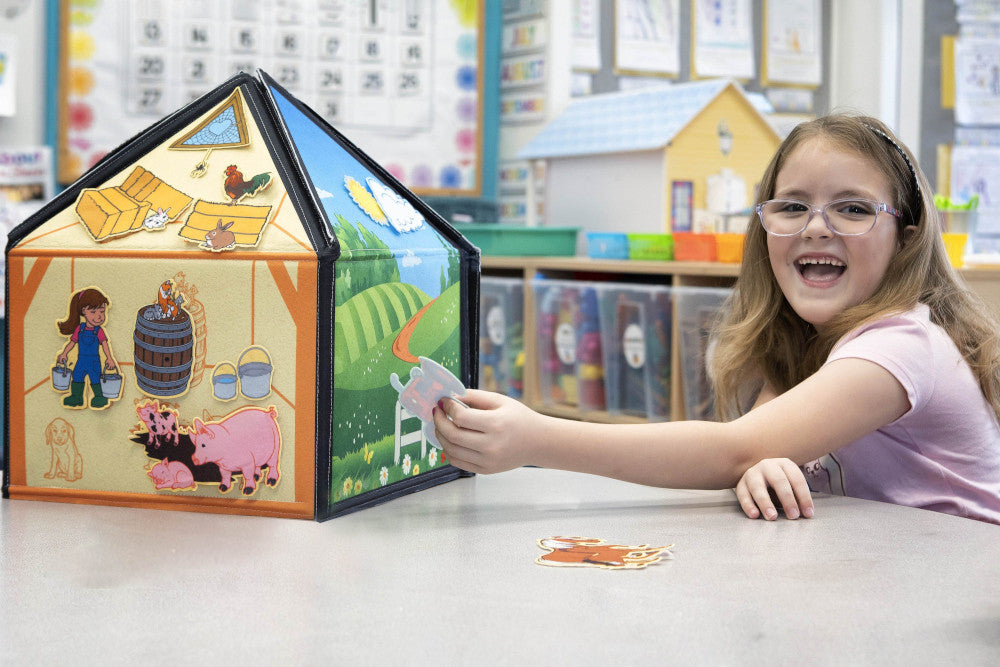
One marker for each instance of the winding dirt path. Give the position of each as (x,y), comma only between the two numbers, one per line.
(401,346)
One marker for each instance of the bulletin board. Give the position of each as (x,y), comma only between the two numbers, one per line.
(804,94)
(402,79)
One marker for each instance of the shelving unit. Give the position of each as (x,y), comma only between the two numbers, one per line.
(985,281)
(675,274)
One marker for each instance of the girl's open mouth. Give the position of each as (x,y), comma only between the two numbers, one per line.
(820,269)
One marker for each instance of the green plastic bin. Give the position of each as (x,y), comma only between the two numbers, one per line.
(512,240)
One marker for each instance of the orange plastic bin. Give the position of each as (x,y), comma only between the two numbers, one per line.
(693,247)
(729,247)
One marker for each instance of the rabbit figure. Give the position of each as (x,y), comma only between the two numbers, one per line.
(220,238)
(156,220)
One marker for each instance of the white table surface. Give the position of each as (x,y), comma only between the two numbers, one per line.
(448,576)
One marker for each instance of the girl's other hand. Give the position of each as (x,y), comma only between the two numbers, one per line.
(789,486)
(61,360)
(489,433)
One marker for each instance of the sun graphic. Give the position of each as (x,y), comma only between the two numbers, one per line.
(364,200)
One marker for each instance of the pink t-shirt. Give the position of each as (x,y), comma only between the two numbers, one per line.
(101,337)
(944,453)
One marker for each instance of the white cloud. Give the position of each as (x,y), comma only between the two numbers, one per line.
(323,194)
(410,259)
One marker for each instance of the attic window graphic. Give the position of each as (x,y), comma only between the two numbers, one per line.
(226,128)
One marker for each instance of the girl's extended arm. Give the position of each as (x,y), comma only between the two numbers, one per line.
(841,402)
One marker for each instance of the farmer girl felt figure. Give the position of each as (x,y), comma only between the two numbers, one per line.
(849,346)
(89,305)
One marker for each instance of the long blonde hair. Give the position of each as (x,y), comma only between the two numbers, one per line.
(760,338)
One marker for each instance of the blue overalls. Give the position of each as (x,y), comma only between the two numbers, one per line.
(88,361)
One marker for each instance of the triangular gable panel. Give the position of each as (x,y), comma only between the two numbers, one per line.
(224,128)
(229,199)
(357,201)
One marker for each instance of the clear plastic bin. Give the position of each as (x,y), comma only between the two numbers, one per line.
(636,335)
(697,309)
(571,367)
(501,335)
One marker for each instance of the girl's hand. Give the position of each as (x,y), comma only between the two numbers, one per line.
(789,486)
(109,365)
(490,433)
(61,360)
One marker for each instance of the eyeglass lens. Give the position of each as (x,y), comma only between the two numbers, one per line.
(848,216)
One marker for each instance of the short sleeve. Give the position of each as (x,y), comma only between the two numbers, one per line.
(902,346)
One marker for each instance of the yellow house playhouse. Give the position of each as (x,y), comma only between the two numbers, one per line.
(654,160)
(233,312)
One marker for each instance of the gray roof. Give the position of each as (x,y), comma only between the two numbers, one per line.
(636,120)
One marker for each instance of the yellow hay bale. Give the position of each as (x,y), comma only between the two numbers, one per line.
(143,185)
(109,212)
(248,221)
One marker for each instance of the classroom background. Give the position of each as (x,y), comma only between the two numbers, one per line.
(618,142)
(603,156)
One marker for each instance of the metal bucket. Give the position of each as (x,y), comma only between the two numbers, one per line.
(61,377)
(111,385)
(224,381)
(254,369)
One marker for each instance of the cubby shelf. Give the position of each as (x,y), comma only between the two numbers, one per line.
(673,274)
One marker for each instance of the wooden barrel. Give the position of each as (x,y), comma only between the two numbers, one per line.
(163,353)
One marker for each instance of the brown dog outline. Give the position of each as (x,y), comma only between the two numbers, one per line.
(67,463)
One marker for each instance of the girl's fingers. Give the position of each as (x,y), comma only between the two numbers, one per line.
(783,491)
(746,500)
(757,487)
(483,400)
(459,456)
(461,441)
(800,487)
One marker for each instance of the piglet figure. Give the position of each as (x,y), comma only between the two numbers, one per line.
(161,425)
(243,441)
(169,474)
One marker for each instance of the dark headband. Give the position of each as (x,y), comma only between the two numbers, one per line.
(902,154)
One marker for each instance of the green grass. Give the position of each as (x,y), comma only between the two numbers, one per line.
(355,468)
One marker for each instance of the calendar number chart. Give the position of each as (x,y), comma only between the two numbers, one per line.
(401,78)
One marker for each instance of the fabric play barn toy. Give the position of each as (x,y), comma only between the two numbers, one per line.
(235,311)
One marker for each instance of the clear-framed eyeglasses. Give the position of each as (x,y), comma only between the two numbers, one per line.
(846,217)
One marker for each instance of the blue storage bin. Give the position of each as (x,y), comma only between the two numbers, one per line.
(607,245)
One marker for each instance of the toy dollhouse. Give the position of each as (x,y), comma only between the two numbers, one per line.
(649,160)
(216,316)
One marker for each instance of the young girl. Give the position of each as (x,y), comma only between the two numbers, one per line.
(849,347)
(91,305)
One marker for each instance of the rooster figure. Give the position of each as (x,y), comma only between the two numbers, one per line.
(237,188)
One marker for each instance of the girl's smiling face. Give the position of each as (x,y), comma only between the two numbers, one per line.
(93,315)
(821,273)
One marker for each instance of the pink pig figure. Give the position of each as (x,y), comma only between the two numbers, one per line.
(162,424)
(169,474)
(243,442)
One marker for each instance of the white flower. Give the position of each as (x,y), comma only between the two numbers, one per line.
(383,476)
(432,458)
(406,464)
